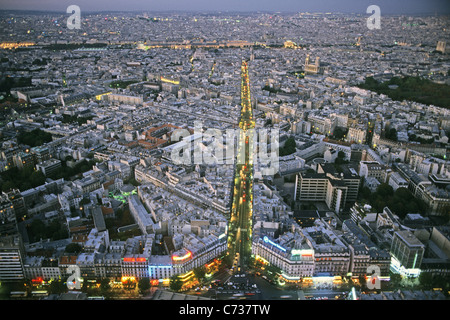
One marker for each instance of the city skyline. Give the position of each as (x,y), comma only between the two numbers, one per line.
(344,6)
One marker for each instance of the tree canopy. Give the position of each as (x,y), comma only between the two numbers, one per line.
(73,248)
(411,88)
(38,229)
(288,148)
(24,179)
(339,133)
(35,138)
(144,284)
(175,283)
(391,134)
(401,201)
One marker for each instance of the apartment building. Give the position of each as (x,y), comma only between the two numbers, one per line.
(47,167)
(11,258)
(335,189)
(140,214)
(407,249)
(373,169)
(296,260)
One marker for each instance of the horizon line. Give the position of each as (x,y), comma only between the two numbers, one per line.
(430,13)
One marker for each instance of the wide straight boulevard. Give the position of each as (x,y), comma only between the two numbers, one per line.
(240,226)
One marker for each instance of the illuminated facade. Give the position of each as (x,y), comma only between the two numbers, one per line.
(160,268)
(171,81)
(11,264)
(135,266)
(294,263)
(15,45)
(312,68)
(407,253)
(101,95)
(199,252)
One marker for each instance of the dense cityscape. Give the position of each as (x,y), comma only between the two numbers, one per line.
(132,163)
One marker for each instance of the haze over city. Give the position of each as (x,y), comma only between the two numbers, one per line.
(343,6)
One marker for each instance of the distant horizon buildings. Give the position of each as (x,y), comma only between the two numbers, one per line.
(346,6)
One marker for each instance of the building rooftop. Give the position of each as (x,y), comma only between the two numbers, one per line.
(409,238)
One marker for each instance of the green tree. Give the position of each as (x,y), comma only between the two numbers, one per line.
(288,148)
(411,88)
(391,134)
(362,281)
(228,260)
(37,178)
(175,283)
(144,284)
(34,138)
(57,287)
(426,280)
(105,287)
(384,190)
(268,122)
(441,281)
(395,280)
(339,133)
(8,185)
(12,82)
(365,193)
(55,231)
(199,273)
(36,230)
(5,290)
(73,248)
(84,201)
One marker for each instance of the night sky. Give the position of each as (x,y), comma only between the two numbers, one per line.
(343,6)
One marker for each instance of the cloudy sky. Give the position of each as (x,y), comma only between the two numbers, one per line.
(345,6)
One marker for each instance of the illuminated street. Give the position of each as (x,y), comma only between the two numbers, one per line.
(239,236)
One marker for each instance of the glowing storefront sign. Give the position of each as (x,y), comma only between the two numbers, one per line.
(154,282)
(258,257)
(134,259)
(178,258)
(125,279)
(187,276)
(397,267)
(267,240)
(37,280)
(302,252)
